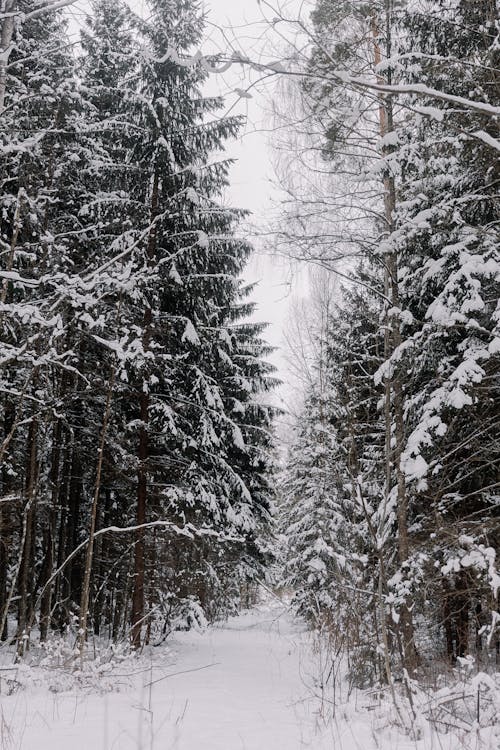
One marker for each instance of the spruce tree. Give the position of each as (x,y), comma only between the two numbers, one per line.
(39,219)
(447,240)
(334,518)
(139,385)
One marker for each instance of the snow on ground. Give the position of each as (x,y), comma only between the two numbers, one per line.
(248,684)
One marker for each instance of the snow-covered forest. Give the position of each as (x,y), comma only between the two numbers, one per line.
(150,488)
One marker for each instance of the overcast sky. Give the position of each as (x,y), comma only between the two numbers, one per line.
(282,291)
(252,175)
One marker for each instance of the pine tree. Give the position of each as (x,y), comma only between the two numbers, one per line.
(353,41)
(447,240)
(335,523)
(171,416)
(122,278)
(39,119)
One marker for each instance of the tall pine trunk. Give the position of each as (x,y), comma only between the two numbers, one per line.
(143,451)
(46,600)
(4,561)
(26,569)
(84,602)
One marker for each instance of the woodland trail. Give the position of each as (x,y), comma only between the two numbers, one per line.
(251,683)
(254,696)
(242,685)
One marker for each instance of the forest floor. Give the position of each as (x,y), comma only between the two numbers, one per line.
(251,683)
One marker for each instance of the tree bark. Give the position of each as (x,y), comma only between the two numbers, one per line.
(5,521)
(8,25)
(143,450)
(4,560)
(50,534)
(142,490)
(393,410)
(448,623)
(25,572)
(84,602)
(462,609)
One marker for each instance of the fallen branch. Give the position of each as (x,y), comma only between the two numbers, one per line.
(184,671)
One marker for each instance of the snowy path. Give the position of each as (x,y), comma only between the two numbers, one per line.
(251,698)
(245,685)
(240,686)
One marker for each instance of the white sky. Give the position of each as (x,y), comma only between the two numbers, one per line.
(252,174)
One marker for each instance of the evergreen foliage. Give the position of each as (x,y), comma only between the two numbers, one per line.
(411,387)
(132,387)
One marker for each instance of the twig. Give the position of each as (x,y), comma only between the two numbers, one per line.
(184,671)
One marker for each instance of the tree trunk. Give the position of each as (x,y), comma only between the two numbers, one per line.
(448,623)
(143,450)
(26,571)
(4,560)
(142,489)
(46,572)
(462,609)
(8,25)
(50,533)
(62,535)
(73,578)
(84,602)
(5,521)
(393,387)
